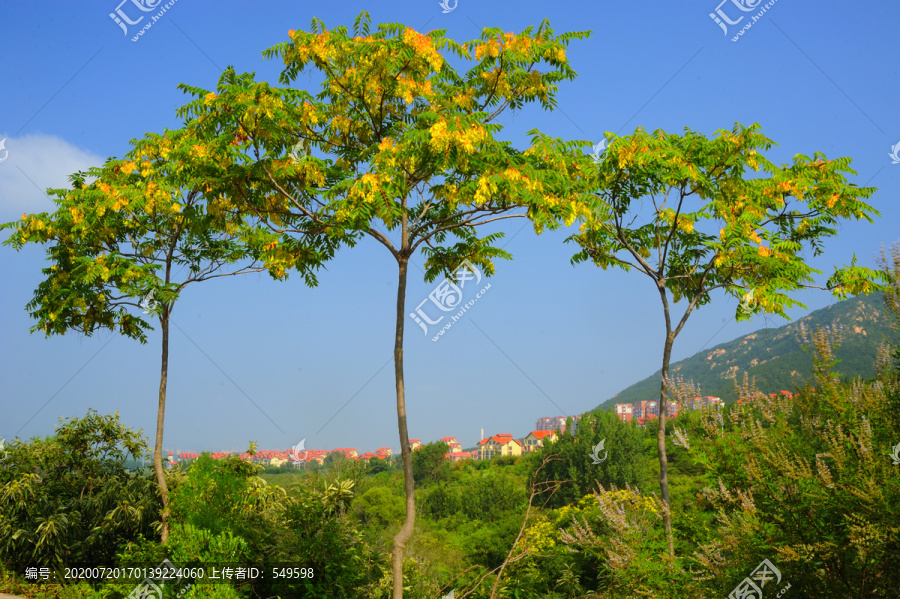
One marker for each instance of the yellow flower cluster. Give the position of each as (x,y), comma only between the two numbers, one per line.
(490,49)
(269,104)
(368,188)
(409,88)
(486,188)
(633,500)
(464,139)
(540,536)
(311,173)
(387,145)
(424,48)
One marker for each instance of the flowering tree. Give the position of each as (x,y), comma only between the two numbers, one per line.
(135,237)
(400,146)
(685,211)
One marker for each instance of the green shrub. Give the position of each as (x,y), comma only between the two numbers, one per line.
(69,500)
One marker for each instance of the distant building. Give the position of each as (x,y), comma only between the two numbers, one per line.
(498,445)
(624,412)
(550,423)
(555,423)
(645,409)
(642,422)
(452,443)
(415,443)
(705,402)
(536,439)
(349,452)
(456,456)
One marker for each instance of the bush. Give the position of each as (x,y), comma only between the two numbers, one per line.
(380,508)
(69,500)
(312,535)
(807,483)
(429,463)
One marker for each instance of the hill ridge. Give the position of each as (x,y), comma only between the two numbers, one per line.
(774,357)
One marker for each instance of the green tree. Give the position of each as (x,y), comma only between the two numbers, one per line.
(70,500)
(429,463)
(134,238)
(621,461)
(691,214)
(399,146)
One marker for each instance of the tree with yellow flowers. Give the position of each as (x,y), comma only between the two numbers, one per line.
(692,214)
(400,145)
(132,239)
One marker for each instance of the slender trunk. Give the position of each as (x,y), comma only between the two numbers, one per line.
(160,419)
(661,442)
(406,530)
(661,433)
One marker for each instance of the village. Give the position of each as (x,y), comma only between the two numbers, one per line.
(546,430)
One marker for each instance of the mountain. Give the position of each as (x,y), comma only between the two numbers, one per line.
(775,358)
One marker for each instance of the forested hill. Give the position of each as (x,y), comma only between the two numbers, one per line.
(774,358)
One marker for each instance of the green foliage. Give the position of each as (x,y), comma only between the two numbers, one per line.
(116,240)
(626,448)
(377,465)
(69,500)
(222,495)
(311,535)
(806,483)
(380,507)
(429,463)
(442,501)
(623,530)
(710,225)
(396,136)
(338,495)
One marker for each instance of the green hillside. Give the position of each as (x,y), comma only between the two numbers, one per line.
(774,358)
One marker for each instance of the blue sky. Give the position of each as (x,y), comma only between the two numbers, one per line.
(254,359)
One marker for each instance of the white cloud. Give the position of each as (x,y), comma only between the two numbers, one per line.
(34,164)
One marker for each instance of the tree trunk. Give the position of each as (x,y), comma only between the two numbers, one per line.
(160,419)
(663,409)
(406,530)
(661,441)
